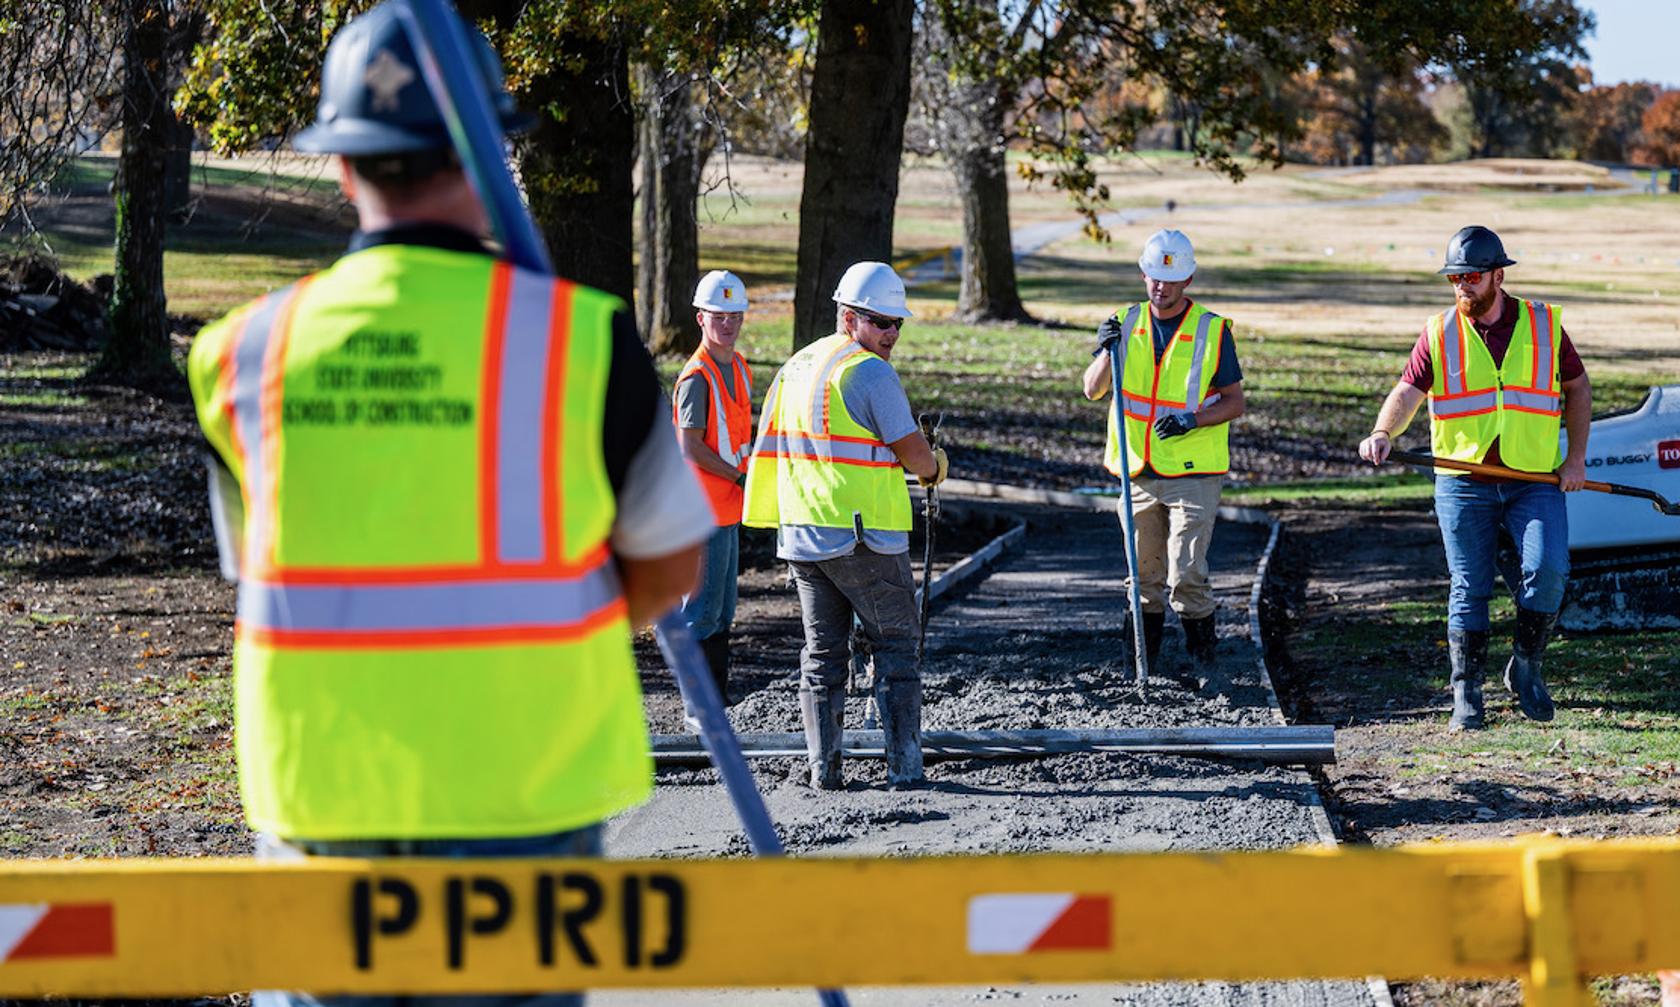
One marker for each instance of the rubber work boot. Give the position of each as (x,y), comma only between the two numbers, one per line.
(822,712)
(1467,649)
(1522,674)
(900,701)
(716,649)
(1201,640)
(1154,628)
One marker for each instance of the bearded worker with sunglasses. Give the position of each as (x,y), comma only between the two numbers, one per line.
(1502,378)
(834,441)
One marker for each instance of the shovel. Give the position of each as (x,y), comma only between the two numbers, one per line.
(1657,500)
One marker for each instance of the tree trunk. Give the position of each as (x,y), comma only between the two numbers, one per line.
(989,291)
(177,170)
(860,96)
(138,350)
(967,109)
(670,242)
(1368,128)
(579,173)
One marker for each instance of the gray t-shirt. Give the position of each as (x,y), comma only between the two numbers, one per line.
(876,399)
(694,399)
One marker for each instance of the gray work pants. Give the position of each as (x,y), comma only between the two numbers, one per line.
(880,591)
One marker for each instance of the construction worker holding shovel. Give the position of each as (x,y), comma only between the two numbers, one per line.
(713,414)
(449,491)
(1183,387)
(1502,379)
(827,473)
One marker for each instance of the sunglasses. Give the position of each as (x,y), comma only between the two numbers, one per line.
(879,321)
(1465,279)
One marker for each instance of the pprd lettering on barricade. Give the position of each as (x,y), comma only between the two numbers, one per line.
(563,918)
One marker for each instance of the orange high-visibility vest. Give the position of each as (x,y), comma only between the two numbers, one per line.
(728,429)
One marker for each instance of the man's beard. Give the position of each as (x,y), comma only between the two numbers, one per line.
(1476,307)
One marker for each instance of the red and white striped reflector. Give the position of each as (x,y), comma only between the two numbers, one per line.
(1041,921)
(43,930)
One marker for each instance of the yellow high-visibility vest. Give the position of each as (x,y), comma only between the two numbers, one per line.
(1520,402)
(432,640)
(1181,382)
(813,464)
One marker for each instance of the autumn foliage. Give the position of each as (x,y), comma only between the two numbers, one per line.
(1661,126)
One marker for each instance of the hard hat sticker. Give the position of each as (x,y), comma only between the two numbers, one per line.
(386,76)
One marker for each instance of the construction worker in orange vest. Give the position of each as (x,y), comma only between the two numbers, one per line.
(448,492)
(712,409)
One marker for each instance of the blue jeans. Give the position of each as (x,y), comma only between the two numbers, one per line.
(583,842)
(1471,513)
(711,609)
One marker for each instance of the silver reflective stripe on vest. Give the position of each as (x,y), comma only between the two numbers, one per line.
(819,385)
(1539,402)
(1540,324)
(506,604)
(720,417)
(1463,405)
(520,416)
(789,444)
(248,357)
(1452,361)
(1128,327)
(1193,386)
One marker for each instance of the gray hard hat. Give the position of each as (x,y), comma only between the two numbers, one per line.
(1475,249)
(374,100)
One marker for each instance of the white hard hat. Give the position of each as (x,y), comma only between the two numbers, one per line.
(1167,256)
(720,290)
(872,286)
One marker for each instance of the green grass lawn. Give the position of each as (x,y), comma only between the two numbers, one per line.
(1617,695)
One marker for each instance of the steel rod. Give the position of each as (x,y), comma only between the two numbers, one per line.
(1296,744)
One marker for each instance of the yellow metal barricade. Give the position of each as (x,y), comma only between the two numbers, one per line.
(1548,912)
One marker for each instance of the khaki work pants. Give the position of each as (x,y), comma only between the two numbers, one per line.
(1175,520)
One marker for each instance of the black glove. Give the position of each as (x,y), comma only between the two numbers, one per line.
(1174,424)
(1108,333)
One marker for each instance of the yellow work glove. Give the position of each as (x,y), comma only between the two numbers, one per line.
(944,469)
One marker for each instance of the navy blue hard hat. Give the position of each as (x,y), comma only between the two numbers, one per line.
(374,99)
(1475,249)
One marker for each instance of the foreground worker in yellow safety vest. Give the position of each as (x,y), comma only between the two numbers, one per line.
(1501,377)
(456,494)
(1183,387)
(713,413)
(828,473)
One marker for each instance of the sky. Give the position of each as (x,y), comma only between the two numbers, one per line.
(1634,41)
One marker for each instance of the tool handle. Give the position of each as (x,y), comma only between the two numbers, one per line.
(1417,458)
(1616,489)
(448,63)
(1127,521)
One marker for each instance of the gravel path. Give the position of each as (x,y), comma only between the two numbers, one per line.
(1029,647)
